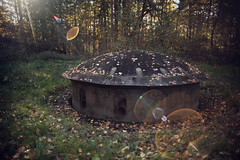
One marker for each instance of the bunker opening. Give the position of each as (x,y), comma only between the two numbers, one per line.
(82,96)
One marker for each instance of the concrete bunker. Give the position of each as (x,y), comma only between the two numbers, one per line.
(109,86)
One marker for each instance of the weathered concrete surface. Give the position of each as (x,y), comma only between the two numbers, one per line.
(117,103)
(135,68)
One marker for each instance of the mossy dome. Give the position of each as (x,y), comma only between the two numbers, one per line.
(135,68)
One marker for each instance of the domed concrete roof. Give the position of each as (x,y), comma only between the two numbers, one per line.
(135,68)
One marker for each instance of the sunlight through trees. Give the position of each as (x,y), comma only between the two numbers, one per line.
(193,27)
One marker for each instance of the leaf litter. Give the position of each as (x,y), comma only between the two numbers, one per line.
(137,139)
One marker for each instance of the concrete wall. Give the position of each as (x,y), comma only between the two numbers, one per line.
(118,103)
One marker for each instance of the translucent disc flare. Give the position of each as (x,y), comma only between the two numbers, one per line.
(178,136)
(150,106)
(158,113)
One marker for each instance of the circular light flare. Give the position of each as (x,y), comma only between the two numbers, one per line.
(158,113)
(164,118)
(72,33)
(150,106)
(178,135)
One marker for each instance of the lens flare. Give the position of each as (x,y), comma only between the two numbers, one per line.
(150,106)
(57,19)
(72,33)
(191,144)
(31,24)
(178,137)
(164,118)
(88,48)
(158,113)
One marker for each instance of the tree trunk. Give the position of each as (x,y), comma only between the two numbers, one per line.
(20,21)
(212,35)
(190,21)
(209,11)
(94,33)
(117,8)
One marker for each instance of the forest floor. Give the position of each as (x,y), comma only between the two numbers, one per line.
(37,121)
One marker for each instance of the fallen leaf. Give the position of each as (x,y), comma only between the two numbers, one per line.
(79,150)
(108,123)
(16,156)
(49,151)
(123,150)
(128,156)
(37,131)
(21,149)
(26,157)
(31,155)
(142,154)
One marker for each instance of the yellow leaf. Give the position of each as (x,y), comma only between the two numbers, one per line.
(123,150)
(79,150)
(141,149)
(16,156)
(128,156)
(142,154)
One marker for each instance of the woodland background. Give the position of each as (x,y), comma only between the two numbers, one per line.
(205,30)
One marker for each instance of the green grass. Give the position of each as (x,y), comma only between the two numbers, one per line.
(25,86)
(223,80)
(28,121)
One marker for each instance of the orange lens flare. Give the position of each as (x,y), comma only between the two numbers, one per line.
(72,33)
